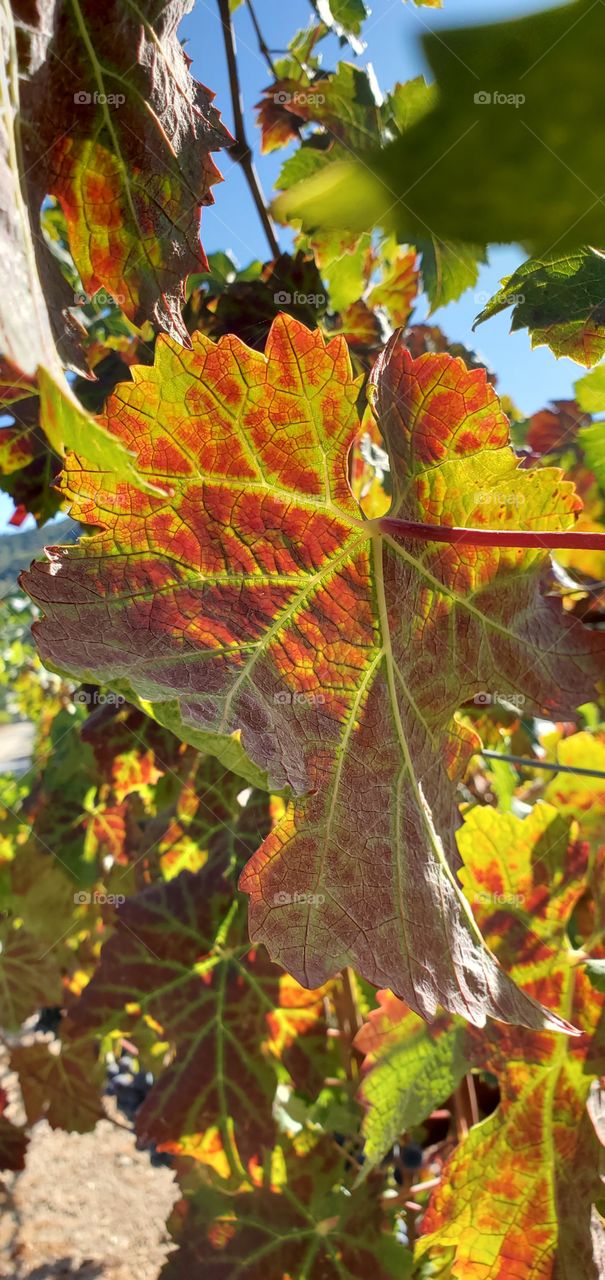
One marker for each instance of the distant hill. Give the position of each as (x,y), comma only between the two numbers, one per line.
(17,550)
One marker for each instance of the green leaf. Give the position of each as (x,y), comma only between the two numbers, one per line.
(410,1068)
(592,440)
(595,970)
(590,395)
(561,300)
(346,16)
(68,426)
(510,152)
(29,976)
(590,391)
(448,270)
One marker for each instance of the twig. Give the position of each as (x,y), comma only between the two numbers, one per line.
(241,150)
(528,763)
(262,44)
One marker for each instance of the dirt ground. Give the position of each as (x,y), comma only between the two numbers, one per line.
(86,1205)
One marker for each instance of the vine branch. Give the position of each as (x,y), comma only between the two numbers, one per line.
(262,43)
(241,150)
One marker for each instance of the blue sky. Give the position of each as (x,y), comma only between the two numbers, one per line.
(392,34)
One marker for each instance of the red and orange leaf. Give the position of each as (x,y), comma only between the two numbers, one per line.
(122,135)
(277,123)
(256,599)
(342,103)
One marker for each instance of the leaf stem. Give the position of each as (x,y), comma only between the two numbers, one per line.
(241,149)
(539,539)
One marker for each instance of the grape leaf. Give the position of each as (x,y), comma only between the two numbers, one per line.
(27,464)
(559,298)
(575,795)
(179,953)
(410,1067)
(397,288)
(29,976)
(495,115)
(26,341)
(553,429)
(121,134)
(345,17)
(59,1082)
(343,104)
(521,1186)
(306,1223)
(538,1153)
(590,393)
(448,269)
(257,600)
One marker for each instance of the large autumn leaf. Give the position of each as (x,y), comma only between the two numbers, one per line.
(256,599)
(517,1196)
(120,132)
